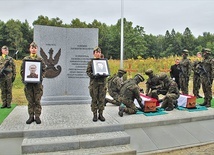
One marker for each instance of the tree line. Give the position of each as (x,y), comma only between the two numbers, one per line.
(18,35)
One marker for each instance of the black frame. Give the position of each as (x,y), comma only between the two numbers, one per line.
(101,72)
(27,64)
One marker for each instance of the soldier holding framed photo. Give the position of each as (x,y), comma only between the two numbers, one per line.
(33,86)
(97,85)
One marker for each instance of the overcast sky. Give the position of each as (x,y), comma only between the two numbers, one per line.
(156,16)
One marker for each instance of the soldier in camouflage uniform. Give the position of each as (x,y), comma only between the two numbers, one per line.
(114,84)
(206,71)
(185,70)
(33,91)
(128,92)
(170,99)
(97,88)
(7,76)
(153,84)
(196,76)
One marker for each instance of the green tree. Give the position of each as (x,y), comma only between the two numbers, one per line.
(153,46)
(113,45)
(27,32)
(2,32)
(76,23)
(14,36)
(134,43)
(42,20)
(188,40)
(103,35)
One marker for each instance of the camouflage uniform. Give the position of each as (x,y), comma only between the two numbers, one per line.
(6,80)
(114,84)
(196,79)
(206,71)
(33,91)
(170,99)
(128,92)
(185,70)
(97,89)
(153,84)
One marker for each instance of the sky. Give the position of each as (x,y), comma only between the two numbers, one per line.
(156,16)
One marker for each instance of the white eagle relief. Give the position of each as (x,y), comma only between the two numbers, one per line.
(51,70)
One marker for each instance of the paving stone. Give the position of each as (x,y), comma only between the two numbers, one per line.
(51,144)
(109,150)
(70,120)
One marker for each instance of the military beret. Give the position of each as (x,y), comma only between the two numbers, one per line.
(97,48)
(140,77)
(33,44)
(149,71)
(198,53)
(185,51)
(4,47)
(206,50)
(121,71)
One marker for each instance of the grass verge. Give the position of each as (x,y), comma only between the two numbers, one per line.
(5,112)
(201,100)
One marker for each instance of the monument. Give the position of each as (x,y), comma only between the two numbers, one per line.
(66,52)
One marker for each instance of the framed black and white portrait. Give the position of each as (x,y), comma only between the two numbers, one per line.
(100,67)
(32,71)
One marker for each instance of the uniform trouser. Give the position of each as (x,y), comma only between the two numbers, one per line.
(97,93)
(115,96)
(130,106)
(168,100)
(33,93)
(196,84)
(207,89)
(184,84)
(6,91)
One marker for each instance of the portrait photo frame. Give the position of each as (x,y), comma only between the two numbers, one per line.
(100,67)
(32,71)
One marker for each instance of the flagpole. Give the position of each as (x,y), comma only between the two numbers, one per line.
(121,39)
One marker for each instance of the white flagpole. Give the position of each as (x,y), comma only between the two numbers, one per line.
(121,39)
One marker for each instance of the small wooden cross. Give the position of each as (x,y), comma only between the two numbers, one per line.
(129,69)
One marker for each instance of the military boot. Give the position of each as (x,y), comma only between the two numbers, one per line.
(8,105)
(169,108)
(101,116)
(203,104)
(121,111)
(4,105)
(37,120)
(30,120)
(95,117)
(208,104)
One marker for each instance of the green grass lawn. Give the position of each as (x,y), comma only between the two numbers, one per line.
(5,112)
(201,100)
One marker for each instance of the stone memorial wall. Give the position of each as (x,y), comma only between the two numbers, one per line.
(66,52)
